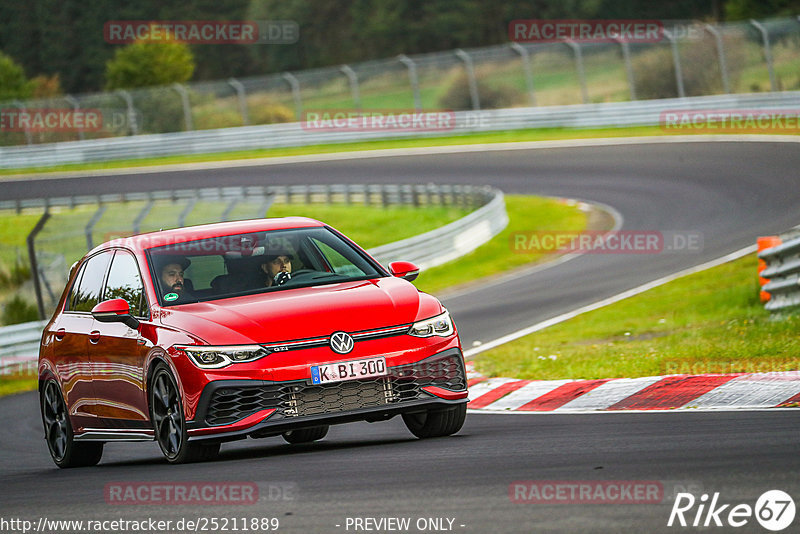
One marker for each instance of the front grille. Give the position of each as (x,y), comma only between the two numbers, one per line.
(296,399)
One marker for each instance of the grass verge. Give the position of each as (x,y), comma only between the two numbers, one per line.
(540,134)
(708,322)
(10,384)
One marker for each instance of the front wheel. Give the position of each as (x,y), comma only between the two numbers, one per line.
(436,422)
(66,452)
(169,424)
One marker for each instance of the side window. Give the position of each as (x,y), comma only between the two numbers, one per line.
(87,294)
(125,282)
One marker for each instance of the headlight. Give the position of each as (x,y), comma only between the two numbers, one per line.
(207,357)
(441,325)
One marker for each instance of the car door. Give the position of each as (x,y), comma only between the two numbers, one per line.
(71,334)
(119,352)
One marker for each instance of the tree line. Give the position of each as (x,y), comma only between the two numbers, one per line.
(61,44)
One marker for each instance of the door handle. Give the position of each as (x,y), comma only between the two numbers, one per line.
(60,333)
(94,336)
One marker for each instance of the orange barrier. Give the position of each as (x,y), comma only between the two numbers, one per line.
(763,244)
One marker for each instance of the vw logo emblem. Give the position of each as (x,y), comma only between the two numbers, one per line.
(341,342)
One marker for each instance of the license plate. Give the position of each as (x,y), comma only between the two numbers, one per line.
(352,370)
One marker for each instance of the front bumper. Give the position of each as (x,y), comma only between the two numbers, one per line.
(233,409)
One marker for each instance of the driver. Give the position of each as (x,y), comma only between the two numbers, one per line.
(172,277)
(277,267)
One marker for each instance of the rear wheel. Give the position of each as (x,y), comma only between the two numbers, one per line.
(66,452)
(169,424)
(305,435)
(436,422)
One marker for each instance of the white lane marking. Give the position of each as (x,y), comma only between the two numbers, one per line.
(525,394)
(610,393)
(417,151)
(481,388)
(610,300)
(754,391)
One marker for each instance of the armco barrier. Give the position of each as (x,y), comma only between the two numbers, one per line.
(19,344)
(783,272)
(614,114)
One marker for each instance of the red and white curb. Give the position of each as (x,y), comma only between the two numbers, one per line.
(673,392)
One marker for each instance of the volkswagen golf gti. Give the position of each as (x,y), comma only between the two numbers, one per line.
(271,327)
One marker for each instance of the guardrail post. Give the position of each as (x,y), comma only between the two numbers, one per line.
(241,95)
(473,83)
(723,66)
(626,56)
(101,209)
(352,77)
(21,106)
(576,49)
(37,286)
(187,108)
(137,223)
(291,79)
(773,83)
(133,128)
(412,78)
(525,57)
(72,101)
(676,61)
(229,208)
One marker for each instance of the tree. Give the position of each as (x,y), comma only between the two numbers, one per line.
(13,83)
(146,64)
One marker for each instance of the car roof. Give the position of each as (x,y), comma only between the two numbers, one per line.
(149,240)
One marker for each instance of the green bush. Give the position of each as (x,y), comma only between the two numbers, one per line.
(18,310)
(457,96)
(18,274)
(147,64)
(13,83)
(654,70)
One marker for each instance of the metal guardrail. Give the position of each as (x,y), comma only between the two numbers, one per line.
(783,273)
(612,114)
(19,344)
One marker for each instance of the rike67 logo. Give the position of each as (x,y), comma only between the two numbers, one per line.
(774,510)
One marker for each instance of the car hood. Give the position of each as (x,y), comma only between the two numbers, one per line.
(303,312)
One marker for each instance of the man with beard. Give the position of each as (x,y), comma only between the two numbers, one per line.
(173,284)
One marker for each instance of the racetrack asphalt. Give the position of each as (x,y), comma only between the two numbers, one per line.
(729,192)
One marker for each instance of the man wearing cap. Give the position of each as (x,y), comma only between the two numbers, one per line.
(278,268)
(172,281)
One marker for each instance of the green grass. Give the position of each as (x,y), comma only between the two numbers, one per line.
(10,384)
(709,322)
(526,214)
(540,134)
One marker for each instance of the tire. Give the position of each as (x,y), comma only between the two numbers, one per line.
(305,435)
(169,423)
(436,423)
(65,451)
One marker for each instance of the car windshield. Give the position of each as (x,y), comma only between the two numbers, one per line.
(243,264)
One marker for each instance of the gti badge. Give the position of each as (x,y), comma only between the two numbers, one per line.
(341,342)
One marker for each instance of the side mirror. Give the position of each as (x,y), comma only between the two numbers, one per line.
(115,311)
(404,269)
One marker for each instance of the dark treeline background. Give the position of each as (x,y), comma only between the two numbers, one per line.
(65,37)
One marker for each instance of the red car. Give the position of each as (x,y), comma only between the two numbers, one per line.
(196,336)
